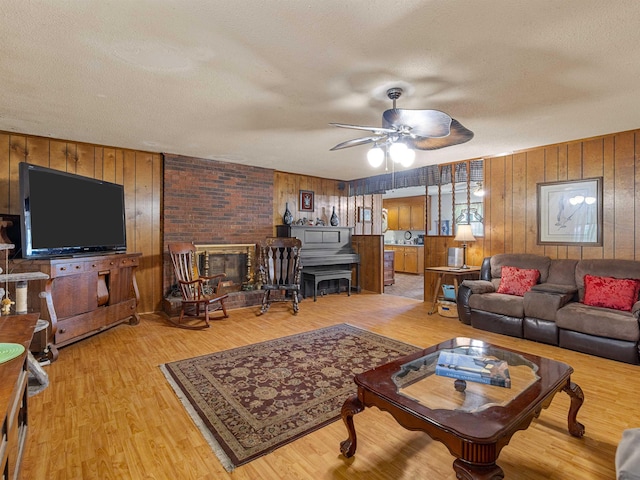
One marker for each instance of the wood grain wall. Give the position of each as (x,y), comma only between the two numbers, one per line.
(511,208)
(328,194)
(139,172)
(367,236)
(371,250)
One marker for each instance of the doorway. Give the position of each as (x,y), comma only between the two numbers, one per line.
(404,231)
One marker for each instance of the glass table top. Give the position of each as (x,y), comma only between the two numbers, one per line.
(418,380)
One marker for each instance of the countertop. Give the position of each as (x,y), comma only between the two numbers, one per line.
(386,245)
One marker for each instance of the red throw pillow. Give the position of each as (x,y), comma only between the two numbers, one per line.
(517,281)
(610,292)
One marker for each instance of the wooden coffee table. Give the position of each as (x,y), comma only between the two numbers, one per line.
(475,421)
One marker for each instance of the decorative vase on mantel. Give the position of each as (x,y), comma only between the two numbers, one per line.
(288,216)
(334,218)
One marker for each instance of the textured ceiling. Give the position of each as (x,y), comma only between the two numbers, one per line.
(258,81)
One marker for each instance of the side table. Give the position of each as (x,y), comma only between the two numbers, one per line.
(455,273)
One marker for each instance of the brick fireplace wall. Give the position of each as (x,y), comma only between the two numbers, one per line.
(213,202)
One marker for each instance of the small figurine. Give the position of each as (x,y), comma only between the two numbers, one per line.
(6,305)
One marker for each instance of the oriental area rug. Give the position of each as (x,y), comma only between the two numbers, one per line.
(248,401)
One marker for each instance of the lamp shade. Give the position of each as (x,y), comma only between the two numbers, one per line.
(464,234)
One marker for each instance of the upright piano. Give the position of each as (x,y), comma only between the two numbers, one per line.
(323,248)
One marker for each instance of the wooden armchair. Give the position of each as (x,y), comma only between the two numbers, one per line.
(198,294)
(279,270)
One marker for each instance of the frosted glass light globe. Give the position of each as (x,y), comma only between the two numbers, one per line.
(375,157)
(408,158)
(397,151)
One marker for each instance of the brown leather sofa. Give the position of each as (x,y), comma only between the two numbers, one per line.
(552,311)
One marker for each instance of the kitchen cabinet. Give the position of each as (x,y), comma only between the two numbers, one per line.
(404,217)
(406,213)
(398,258)
(411,259)
(408,258)
(392,216)
(418,214)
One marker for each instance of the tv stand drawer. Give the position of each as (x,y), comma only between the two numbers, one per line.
(80,325)
(66,268)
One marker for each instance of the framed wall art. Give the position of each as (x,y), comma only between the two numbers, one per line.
(570,212)
(473,215)
(306,201)
(364,214)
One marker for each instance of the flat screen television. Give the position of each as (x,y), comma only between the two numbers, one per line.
(64,214)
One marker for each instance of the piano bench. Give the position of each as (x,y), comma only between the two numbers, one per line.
(318,276)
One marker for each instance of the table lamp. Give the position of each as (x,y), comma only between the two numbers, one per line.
(464,235)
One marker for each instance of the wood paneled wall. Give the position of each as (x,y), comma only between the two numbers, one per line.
(371,250)
(367,236)
(510,205)
(327,195)
(139,172)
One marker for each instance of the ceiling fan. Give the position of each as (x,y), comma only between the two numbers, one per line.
(404,130)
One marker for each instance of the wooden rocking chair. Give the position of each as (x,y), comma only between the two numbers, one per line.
(197,292)
(280,270)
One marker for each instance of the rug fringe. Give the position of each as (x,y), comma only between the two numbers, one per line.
(206,433)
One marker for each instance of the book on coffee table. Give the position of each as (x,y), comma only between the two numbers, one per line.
(480,369)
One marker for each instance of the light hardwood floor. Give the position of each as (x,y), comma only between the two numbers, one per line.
(109,413)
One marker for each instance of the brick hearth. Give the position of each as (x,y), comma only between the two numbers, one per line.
(250,298)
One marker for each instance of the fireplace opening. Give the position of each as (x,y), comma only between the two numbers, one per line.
(235,261)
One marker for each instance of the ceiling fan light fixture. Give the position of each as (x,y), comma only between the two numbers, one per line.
(408,158)
(398,151)
(422,129)
(402,154)
(375,156)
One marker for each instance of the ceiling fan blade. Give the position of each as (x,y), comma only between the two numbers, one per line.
(357,141)
(424,123)
(458,135)
(376,130)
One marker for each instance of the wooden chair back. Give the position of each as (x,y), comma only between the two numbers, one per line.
(196,290)
(280,269)
(184,258)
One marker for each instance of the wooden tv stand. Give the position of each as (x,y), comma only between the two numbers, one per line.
(87,294)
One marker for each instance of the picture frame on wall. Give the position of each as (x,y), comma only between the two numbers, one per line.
(364,214)
(570,212)
(305,203)
(471,214)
